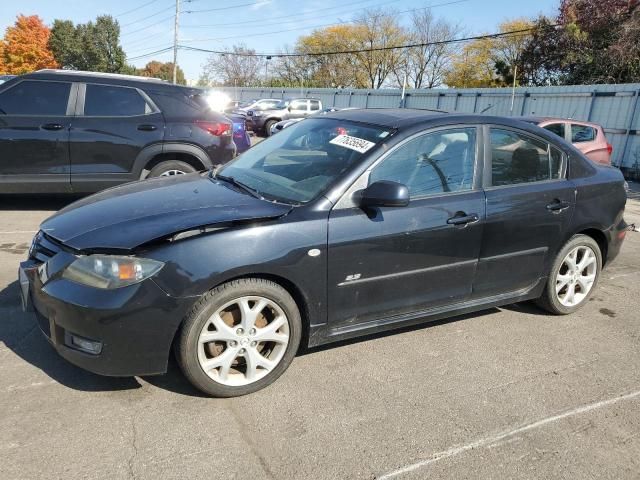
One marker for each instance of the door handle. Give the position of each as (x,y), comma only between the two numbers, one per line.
(558,206)
(462,218)
(52,126)
(147,128)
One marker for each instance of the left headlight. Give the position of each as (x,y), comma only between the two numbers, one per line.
(111,271)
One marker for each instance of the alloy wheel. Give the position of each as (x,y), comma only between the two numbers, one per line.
(576,276)
(243,341)
(170,173)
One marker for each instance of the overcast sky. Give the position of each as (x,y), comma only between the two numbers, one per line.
(264,25)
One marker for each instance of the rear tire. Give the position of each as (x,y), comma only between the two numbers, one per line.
(573,277)
(170,168)
(239,338)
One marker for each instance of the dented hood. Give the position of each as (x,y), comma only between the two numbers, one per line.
(125,217)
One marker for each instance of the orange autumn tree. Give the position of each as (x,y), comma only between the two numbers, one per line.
(25,46)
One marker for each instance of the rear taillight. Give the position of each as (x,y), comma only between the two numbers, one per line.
(609,148)
(218,129)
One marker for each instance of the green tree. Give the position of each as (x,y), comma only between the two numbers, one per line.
(91,46)
(595,41)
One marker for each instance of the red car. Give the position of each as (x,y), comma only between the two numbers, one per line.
(587,137)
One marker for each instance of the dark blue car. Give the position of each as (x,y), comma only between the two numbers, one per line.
(240,135)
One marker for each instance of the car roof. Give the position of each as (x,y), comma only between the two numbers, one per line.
(110,78)
(538,120)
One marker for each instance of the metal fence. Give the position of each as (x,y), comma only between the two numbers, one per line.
(615,107)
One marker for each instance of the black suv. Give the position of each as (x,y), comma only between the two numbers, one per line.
(66,131)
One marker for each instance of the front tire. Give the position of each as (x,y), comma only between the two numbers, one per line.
(267,127)
(239,338)
(170,168)
(573,277)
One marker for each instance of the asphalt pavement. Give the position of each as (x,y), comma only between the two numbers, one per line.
(504,393)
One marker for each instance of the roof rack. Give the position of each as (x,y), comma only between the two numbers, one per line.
(101,74)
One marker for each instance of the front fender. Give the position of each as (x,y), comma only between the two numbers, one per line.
(277,249)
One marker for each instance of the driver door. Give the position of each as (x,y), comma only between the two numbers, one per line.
(390,261)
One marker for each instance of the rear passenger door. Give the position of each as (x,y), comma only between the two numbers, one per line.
(112,126)
(529,203)
(35,116)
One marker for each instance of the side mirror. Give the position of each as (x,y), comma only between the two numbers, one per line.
(289,108)
(384,194)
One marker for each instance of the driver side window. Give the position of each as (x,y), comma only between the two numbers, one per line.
(434,163)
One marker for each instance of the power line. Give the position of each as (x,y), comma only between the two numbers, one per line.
(148,16)
(148,26)
(134,9)
(227,24)
(316,26)
(225,8)
(157,52)
(365,50)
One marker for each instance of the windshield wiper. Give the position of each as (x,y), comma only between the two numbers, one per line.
(242,186)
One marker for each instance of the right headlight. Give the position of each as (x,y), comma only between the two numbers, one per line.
(111,271)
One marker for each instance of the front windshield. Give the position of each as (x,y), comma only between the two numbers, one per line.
(300,162)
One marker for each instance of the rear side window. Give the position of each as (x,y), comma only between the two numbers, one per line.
(582,133)
(557,128)
(299,105)
(433,163)
(266,105)
(315,105)
(517,158)
(36,98)
(112,101)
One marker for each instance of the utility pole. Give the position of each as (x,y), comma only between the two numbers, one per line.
(175,42)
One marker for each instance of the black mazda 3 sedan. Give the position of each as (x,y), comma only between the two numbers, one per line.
(340,226)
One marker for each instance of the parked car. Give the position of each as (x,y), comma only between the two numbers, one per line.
(260,121)
(64,131)
(257,104)
(5,78)
(587,137)
(343,225)
(276,127)
(240,135)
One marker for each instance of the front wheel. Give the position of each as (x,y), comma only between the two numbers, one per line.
(573,277)
(239,338)
(267,127)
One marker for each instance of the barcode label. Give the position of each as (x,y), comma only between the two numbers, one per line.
(354,143)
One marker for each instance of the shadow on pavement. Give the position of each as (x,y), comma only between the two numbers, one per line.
(36,202)
(20,334)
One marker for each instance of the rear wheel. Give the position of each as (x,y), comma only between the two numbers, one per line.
(170,168)
(239,338)
(574,276)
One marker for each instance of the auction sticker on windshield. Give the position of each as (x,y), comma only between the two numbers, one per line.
(354,143)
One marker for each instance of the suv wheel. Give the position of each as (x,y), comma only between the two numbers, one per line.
(239,338)
(170,168)
(573,277)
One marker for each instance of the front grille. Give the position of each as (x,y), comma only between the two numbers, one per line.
(44,247)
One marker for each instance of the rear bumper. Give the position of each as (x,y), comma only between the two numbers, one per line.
(616,238)
(134,325)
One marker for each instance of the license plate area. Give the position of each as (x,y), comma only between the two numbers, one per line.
(25,298)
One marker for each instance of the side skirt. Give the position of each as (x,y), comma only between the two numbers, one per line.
(324,334)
